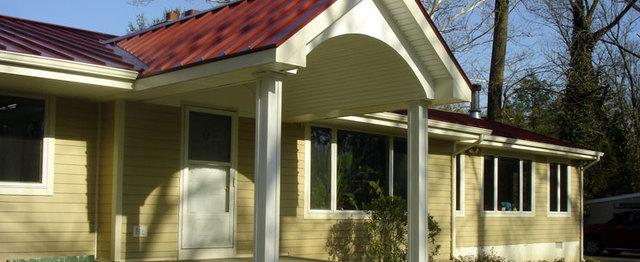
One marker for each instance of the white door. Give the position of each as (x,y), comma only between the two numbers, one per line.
(207,222)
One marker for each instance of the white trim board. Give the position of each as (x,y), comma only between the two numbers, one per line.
(59,69)
(468,135)
(569,250)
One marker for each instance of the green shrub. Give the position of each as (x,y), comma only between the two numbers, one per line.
(489,256)
(382,237)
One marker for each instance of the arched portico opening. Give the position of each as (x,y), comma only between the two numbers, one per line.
(349,74)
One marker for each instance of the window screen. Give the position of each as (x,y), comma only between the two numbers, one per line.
(209,137)
(459,182)
(320,168)
(553,187)
(488,182)
(22,122)
(564,189)
(527,185)
(508,184)
(362,160)
(400,167)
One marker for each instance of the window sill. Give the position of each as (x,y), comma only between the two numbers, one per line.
(25,189)
(507,214)
(338,214)
(559,214)
(459,213)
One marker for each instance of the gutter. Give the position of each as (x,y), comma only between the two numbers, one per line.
(65,70)
(453,189)
(582,203)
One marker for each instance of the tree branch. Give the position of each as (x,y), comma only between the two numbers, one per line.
(599,33)
(622,48)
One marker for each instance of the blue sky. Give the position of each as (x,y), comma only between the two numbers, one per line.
(107,16)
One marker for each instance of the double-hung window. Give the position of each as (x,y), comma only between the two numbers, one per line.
(347,169)
(558,188)
(507,185)
(23,143)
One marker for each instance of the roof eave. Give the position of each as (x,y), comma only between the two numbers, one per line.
(65,70)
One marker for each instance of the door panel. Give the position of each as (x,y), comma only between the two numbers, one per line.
(207,221)
(207,198)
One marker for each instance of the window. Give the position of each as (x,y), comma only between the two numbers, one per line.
(508,184)
(22,145)
(558,188)
(459,182)
(362,160)
(320,168)
(348,168)
(399,167)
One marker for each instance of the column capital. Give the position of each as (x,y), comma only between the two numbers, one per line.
(422,102)
(269,74)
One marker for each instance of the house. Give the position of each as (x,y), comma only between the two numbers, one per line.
(249,130)
(601,210)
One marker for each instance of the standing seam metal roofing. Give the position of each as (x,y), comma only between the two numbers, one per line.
(231,30)
(61,42)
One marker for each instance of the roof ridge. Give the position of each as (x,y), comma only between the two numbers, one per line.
(56,25)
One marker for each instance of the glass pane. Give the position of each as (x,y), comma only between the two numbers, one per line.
(362,162)
(564,188)
(320,168)
(527,185)
(488,183)
(21,139)
(553,187)
(508,184)
(400,167)
(209,137)
(459,182)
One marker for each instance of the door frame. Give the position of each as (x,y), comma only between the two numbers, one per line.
(208,253)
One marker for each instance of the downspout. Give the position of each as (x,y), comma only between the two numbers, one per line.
(582,204)
(453,190)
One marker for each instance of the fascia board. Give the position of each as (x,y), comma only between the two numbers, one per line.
(17,60)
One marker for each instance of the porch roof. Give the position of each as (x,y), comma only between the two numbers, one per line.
(231,30)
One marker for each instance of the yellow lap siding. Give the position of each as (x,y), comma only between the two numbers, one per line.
(151,180)
(64,223)
(476,229)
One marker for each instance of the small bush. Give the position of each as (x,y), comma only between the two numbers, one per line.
(489,256)
(383,237)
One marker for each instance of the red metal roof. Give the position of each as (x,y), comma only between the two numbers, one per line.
(499,129)
(54,41)
(235,29)
(238,28)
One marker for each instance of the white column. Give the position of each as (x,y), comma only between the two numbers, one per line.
(267,167)
(417,181)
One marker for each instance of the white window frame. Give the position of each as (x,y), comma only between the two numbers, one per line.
(45,186)
(461,182)
(558,185)
(334,212)
(496,212)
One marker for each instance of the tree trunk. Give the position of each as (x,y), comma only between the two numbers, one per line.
(582,112)
(498,54)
